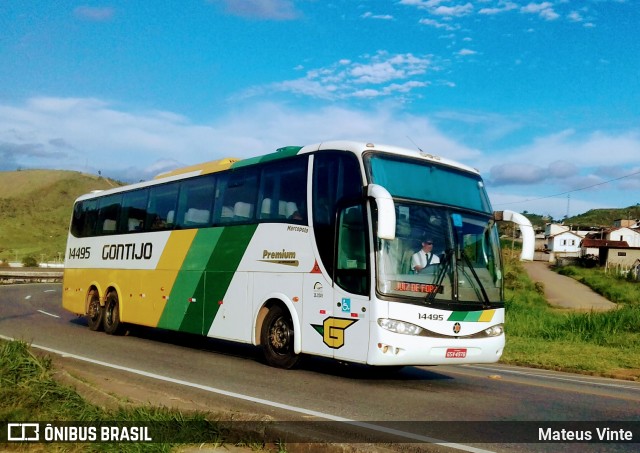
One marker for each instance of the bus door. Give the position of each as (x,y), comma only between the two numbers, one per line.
(351,300)
(336,305)
(317,313)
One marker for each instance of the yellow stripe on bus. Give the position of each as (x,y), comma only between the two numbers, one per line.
(176,249)
(486,316)
(157,284)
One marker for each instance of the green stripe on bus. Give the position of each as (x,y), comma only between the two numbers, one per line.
(223,263)
(204,278)
(471,316)
(185,288)
(281,153)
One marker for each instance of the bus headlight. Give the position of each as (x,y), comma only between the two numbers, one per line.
(495,331)
(404,328)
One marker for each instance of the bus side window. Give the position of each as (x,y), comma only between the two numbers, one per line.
(134,211)
(336,177)
(161,208)
(108,214)
(283,191)
(85,218)
(196,201)
(238,198)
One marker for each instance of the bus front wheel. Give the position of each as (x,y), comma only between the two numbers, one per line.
(276,338)
(111,321)
(95,312)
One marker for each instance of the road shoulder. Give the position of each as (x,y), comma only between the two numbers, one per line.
(565,292)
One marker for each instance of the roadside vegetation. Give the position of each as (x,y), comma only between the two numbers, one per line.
(618,288)
(29,392)
(36,207)
(598,343)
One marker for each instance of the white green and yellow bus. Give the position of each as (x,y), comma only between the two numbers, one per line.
(307,250)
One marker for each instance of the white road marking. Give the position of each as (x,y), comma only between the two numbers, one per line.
(48,314)
(584,380)
(370,426)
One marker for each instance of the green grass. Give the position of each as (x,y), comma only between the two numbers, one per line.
(600,343)
(28,392)
(35,207)
(617,288)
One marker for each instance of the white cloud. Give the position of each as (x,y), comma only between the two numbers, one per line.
(91,135)
(596,148)
(370,15)
(380,74)
(502,8)
(575,16)
(586,168)
(93,13)
(544,10)
(515,173)
(434,23)
(456,11)
(465,52)
(261,9)
(424,4)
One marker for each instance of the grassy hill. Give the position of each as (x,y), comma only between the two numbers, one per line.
(593,217)
(604,217)
(35,208)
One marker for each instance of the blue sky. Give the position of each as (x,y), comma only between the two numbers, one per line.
(543,97)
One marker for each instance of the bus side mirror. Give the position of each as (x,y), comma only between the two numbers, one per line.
(528,235)
(386,211)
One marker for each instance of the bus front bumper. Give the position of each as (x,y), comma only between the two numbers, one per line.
(389,349)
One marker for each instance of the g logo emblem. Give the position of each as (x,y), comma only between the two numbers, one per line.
(457,328)
(332,331)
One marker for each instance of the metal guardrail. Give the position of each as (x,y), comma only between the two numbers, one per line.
(11,275)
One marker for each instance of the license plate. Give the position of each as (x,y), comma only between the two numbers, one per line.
(456,353)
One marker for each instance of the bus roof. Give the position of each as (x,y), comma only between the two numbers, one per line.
(203,168)
(364,147)
(356,147)
(353,146)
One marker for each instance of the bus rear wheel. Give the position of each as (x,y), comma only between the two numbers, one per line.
(95,312)
(276,338)
(111,320)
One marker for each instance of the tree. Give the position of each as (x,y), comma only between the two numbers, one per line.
(29,261)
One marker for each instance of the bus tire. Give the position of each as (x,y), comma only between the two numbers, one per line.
(95,312)
(111,319)
(276,338)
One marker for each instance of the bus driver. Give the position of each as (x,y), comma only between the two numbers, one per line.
(424,257)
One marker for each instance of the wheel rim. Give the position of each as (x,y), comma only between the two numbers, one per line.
(110,313)
(280,335)
(94,310)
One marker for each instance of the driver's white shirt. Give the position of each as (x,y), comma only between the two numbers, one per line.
(421,259)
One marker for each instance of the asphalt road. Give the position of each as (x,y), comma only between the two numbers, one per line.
(468,408)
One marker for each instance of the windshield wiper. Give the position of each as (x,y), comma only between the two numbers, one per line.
(444,267)
(467,261)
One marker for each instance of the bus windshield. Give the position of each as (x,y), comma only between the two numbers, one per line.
(446,249)
(425,181)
